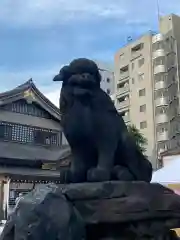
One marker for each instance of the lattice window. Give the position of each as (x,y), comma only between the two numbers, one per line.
(28,134)
(22,133)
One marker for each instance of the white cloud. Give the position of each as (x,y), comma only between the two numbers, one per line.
(47,12)
(53,96)
(44,13)
(42,78)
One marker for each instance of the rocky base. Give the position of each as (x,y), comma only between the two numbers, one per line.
(92,211)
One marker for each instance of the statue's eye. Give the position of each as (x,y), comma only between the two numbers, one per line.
(86,75)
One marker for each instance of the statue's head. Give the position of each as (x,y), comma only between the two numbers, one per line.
(63,75)
(80,71)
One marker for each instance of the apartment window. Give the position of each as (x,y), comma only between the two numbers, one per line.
(172,44)
(108,80)
(171,60)
(143,125)
(132,80)
(132,66)
(108,91)
(159,61)
(123,99)
(141,77)
(161,93)
(142,108)
(121,57)
(161,110)
(163,130)
(141,62)
(160,77)
(159,45)
(124,69)
(137,48)
(168,43)
(162,147)
(142,92)
(173,79)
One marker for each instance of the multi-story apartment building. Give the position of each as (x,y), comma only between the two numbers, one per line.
(147,86)
(107,81)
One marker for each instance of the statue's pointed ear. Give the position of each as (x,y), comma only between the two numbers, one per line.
(64,74)
(58,78)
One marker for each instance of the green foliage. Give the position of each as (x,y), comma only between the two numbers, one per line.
(140,140)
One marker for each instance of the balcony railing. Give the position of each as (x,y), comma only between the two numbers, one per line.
(160,85)
(158,53)
(124,75)
(157,38)
(123,104)
(161,118)
(162,101)
(123,90)
(159,69)
(162,136)
(136,54)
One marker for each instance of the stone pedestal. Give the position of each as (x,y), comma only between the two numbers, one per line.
(92,211)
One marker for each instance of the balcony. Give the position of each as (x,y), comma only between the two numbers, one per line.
(158,53)
(162,136)
(161,118)
(161,101)
(135,55)
(126,118)
(160,85)
(136,50)
(159,69)
(124,75)
(157,38)
(123,90)
(123,104)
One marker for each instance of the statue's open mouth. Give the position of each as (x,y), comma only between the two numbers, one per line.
(85,81)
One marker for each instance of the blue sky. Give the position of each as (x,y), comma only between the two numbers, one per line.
(38,36)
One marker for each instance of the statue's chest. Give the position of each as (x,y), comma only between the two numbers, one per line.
(77,122)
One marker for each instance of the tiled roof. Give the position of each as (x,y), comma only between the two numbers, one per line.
(10,150)
(29,85)
(19,171)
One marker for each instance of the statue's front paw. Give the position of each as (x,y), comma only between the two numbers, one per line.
(64,176)
(122,173)
(98,175)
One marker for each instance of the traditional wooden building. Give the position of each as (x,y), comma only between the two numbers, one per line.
(32,145)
